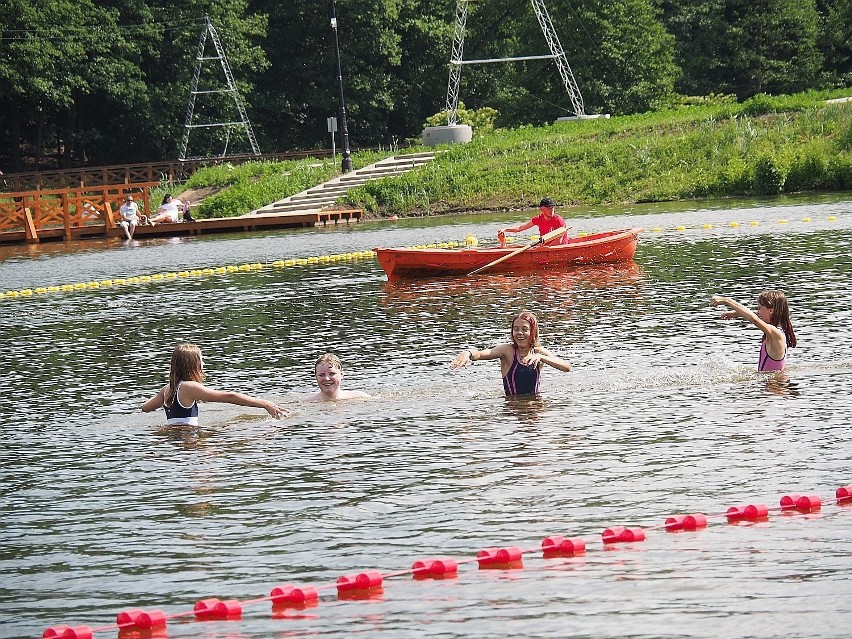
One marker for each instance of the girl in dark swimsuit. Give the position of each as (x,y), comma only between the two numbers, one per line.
(521,360)
(185,389)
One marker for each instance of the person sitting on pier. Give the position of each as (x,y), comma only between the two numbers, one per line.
(129,216)
(170,210)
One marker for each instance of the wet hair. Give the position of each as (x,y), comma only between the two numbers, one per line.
(528,317)
(331,359)
(186,367)
(776,302)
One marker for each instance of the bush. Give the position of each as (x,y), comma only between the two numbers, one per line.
(480,120)
(807,172)
(768,178)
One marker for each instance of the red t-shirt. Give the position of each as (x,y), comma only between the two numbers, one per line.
(546,225)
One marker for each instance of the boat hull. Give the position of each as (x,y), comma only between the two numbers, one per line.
(600,248)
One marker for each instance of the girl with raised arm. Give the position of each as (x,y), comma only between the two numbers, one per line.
(773,318)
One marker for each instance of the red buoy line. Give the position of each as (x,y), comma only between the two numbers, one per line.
(369,583)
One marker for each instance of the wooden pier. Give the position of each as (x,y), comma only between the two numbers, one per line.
(93,212)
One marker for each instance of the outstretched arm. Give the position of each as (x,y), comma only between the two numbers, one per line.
(544,356)
(194,391)
(473,355)
(737,310)
(518,229)
(155,402)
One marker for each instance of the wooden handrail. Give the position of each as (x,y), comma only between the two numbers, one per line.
(34,211)
(170,172)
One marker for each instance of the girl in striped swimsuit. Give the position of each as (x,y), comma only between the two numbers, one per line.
(773,318)
(521,360)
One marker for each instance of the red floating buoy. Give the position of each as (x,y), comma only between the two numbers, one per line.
(557,545)
(151,619)
(802,503)
(622,534)
(686,522)
(78,632)
(128,617)
(204,609)
(292,594)
(509,557)
(54,632)
(362,581)
(435,568)
(844,493)
(748,512)
(228,609)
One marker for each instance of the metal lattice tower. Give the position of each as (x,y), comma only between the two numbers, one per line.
(231,88)
(557,53)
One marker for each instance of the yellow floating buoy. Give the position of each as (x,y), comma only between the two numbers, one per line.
(207,271)
(832,218)
(755,223)
(707,226)
(183,274)
(53,289)
(92,285)
(582,234)
(231,268)
(806,219)
(244,267)
(470,240)
(256,266)
(79,286)
(67,287)
(12,293)
(170,276)
(782,221)
(289,262)
(735,225)
(657,229)
(26,292)
(144,278)
(41,290)
(680,228)
(278,263)
(106,282)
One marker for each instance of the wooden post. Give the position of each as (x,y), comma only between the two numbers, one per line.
(29,227)
(108,217)
(66,216)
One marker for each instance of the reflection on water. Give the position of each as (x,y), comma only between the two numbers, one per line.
(664,412)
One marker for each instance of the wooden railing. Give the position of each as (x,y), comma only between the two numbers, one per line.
(170,172)
(68,212)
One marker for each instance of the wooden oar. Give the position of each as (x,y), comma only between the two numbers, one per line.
(542,240)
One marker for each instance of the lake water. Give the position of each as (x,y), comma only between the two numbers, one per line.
(104,509)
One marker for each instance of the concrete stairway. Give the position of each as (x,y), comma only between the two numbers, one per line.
(326,194)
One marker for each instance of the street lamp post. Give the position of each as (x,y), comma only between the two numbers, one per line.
(346,164)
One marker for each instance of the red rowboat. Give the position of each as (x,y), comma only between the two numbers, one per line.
(600,248)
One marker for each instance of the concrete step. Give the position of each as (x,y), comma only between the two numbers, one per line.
(326,194)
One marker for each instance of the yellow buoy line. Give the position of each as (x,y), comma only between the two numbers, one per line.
(159,277)
(469,241)
(735,224)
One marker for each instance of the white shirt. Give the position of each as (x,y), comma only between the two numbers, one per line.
(129,211)
(173,207)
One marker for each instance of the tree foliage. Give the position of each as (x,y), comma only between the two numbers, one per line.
(107,81)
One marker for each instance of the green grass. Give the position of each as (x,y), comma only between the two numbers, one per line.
(716,148)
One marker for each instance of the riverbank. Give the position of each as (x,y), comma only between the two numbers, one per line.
(715,149)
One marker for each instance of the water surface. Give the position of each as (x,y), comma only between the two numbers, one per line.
(105,509)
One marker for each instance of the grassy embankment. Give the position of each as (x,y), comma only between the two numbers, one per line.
(766,145)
